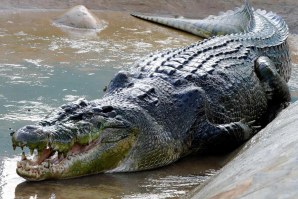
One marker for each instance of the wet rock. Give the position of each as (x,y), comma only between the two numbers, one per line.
(80,17)
(266,167)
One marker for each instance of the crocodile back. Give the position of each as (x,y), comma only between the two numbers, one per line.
(265,31)
(211,81)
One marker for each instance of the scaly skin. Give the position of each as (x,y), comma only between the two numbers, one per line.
(212,95)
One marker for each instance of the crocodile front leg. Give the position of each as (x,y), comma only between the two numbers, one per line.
(275,87)
(222,137)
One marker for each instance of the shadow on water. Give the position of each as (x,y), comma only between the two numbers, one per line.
(42,67)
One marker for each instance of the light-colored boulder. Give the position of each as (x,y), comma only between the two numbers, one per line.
(80,17)
(266,167)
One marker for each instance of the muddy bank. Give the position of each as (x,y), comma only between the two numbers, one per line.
(195,9)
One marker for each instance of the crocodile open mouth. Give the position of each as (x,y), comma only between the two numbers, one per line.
(50,160)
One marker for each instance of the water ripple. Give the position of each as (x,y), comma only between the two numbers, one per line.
(172,186)
(25,111)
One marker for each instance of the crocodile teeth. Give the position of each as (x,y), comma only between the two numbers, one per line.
(27,166)
(46,164)
(31,151)
(24,156)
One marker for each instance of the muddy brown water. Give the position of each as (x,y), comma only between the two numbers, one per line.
(43,67)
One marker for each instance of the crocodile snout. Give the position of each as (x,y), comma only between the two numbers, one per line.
(28,135)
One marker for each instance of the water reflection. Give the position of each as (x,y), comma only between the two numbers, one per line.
(169,182)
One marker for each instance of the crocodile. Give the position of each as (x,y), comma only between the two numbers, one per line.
(210,96)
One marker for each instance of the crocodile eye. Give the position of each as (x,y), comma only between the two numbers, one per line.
(113,137)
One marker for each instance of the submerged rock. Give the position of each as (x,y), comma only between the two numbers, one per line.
(266,167)
(80,17)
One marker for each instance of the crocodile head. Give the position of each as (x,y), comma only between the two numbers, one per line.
(78,139)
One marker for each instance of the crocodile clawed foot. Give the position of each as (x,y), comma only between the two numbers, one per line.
(249,127)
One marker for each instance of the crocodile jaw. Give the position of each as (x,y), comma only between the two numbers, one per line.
(101,155)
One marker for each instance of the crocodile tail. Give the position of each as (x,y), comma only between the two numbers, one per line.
(236,21)
(277,21)
(281,57)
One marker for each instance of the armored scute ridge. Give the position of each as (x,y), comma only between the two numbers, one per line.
(212,95)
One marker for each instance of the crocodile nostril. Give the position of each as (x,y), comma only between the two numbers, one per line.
(77,116)
(83,103)
(106,109)
(31,127)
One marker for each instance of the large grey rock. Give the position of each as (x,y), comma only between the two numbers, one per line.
(80,17)
(266,167)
